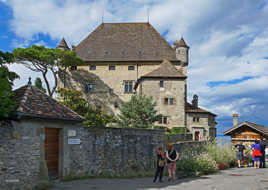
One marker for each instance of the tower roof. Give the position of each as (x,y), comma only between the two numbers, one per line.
(180,43)
(63,45)
(125,42)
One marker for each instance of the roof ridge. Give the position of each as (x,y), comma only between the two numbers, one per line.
(24,97)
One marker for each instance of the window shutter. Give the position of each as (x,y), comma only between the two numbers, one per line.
(174,101)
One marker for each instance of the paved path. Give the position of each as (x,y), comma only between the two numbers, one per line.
(232,179)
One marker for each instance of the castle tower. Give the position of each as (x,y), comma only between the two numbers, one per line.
(182,50)
(63,45)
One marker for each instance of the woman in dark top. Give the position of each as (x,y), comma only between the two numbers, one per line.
(160,164)
(172,156)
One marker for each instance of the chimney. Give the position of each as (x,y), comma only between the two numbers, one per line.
(195,101)
(235,119)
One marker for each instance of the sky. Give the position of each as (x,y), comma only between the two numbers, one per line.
(228,42)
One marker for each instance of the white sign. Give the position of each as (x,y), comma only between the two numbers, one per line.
(71,133)
(12,180)
(74,141)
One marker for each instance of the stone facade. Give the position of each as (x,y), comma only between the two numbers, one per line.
(172,89)
(202,124)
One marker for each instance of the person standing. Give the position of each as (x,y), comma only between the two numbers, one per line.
(160,164)
(256,155)
(262,159)
(239,153)
(172,156)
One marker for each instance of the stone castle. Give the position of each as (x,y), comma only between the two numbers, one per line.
(126,58)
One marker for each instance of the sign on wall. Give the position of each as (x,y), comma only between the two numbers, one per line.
(74,141)
(71,133)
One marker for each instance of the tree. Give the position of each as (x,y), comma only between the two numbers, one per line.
(139,112)
(74,100)
(6,83)
(42,59)
(38,84)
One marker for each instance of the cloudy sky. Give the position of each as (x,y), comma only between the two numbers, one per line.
(228,42)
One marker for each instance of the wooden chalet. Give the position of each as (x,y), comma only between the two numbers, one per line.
(246,132)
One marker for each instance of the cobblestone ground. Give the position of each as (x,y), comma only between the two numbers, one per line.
(232,179)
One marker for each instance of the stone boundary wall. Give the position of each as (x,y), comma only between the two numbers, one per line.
(102,152)
(19,157)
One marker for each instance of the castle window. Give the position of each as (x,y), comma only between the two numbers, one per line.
(111,67)
(128,86)
(92,67)
(196,119)
(89,87)
(72,68)
(162,120)
(161,84)
(166,101)
(171,101)
(116,105)
(131,67)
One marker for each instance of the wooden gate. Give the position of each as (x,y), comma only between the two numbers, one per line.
(52,151)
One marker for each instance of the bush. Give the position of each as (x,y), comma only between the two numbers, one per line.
(202,164)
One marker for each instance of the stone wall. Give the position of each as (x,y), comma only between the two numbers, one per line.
(101,152)
(19,157)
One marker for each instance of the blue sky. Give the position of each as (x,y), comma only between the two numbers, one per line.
(228,42)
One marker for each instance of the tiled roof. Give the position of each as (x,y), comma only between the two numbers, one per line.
(125,42)
(260,128)
(63,45)
(165,70)
(180,43)
(191,109)
(33,103)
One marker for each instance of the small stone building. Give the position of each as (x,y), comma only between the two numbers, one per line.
(246,132)
(33,140)
(122,59)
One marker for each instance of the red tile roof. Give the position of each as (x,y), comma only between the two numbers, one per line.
(125,42)
(33,103)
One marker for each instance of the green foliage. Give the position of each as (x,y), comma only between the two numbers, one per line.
(160,127)
(210,159)
(223,154)
(97,118)
(74,100)
(6,83)
(202,164)
(175,131)
(139,112)
(38,84)
(44,60)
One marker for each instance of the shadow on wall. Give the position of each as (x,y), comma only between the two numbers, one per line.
(102,97)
